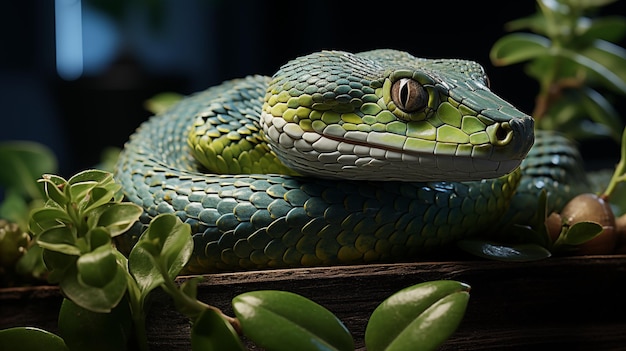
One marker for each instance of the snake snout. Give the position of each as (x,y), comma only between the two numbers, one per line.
(513,140)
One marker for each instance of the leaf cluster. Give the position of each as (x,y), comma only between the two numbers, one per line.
(573,55)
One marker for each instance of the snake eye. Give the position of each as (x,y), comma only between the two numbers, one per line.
(409,95)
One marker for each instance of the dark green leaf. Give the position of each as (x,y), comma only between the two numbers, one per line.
(30,339)
(97,268)
(600,110)
(47,218)
(58,264)
(610,78)
(96,299)
(518,47)
(504,252)
(279,320)
(581,232)
(420,317)
(609,28)
(211,332)
(23,163)
(608,55)
(83,329)
(59,239)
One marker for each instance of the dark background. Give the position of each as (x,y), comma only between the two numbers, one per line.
(185,46)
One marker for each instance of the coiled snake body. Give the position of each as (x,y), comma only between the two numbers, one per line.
(343,158)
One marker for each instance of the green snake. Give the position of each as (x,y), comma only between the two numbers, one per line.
(342,158)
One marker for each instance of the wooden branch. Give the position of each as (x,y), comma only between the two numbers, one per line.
(573,302)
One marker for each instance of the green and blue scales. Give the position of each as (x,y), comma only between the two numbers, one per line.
(344,158)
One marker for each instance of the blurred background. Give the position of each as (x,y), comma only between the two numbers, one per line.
(75,74)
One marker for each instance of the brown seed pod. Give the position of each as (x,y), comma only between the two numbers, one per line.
(592,208)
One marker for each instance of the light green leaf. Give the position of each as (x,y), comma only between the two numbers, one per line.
(280,320)
(420,317)
(118,218)
(166,243)
(518,47)
(211,332)
(30,339)
(48,217)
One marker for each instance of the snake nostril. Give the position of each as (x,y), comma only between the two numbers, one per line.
(503,133)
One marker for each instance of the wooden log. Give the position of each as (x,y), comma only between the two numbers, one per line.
(576,303)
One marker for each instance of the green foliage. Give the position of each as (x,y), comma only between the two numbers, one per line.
(280,320)
(75,228)
(572,54)
(423,315)
(30,339)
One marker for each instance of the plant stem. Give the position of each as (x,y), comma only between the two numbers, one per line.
(191,304)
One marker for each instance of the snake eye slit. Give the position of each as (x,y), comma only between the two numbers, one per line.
(409,95)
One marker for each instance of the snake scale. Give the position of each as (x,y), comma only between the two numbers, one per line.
(344,158)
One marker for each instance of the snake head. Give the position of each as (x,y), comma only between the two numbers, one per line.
(386,115)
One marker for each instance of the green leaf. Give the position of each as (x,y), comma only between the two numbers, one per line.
(608,55)
(600,110)
(420,317)
(96,299)
(53,188)
(30,339)
(46,218)
(97,268)
(58,264)
(24,162)
(518,47)
(92,175)
(610,78)
(504,252)
(60,239)
(83,329)
(98,196)
(279,320)
(118,218)
(609,28)
(211,332)
(167,244)
(142,265)
(581,232)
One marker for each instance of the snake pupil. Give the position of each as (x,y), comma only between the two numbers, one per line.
(409,95)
